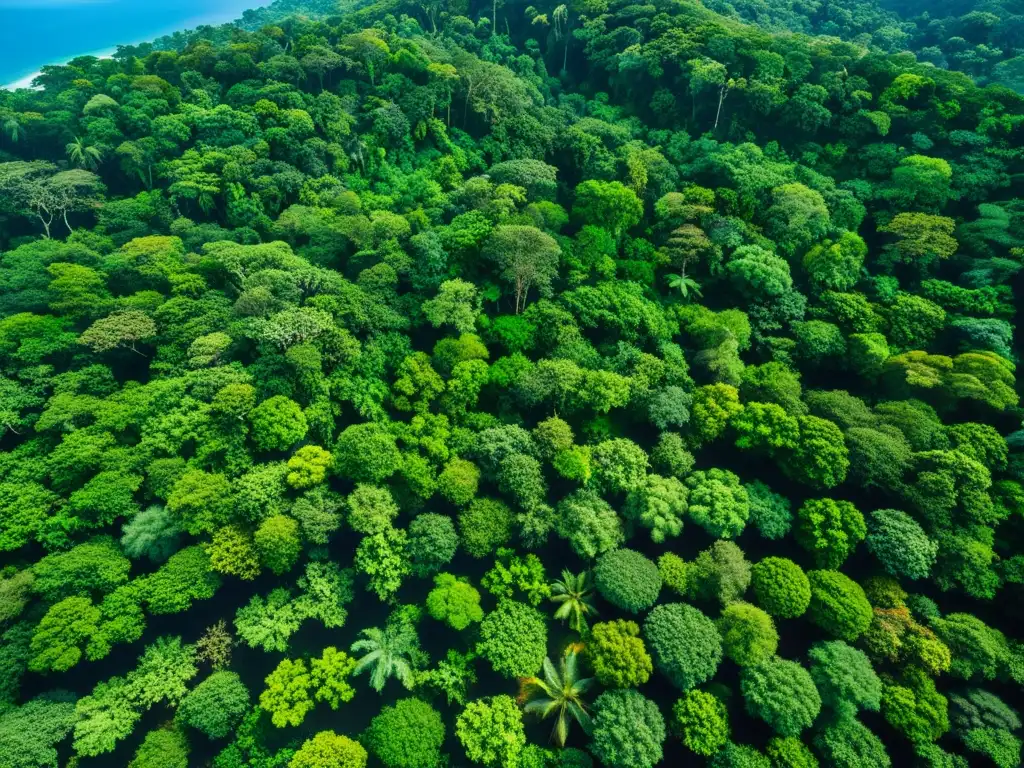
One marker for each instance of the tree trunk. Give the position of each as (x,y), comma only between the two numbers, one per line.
(494,17)
(722,93)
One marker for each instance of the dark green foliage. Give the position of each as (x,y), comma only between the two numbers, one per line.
(844,677)
(900,544)
(433,309)
(684,643)
(847,743)
(628,730)
(783,694)
(627,580)
(215,706)
(769,512)
(432,543)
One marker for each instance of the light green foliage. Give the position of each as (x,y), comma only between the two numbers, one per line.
(201,501)
(517,576)
(703,722)
(454,601)
(718,502)
(408,735)
(820,459)
(388,652)
(277,541)
(371,509)
(838,605)
(267,623)
(104,717)
(670,456)
(720,573)
(404,320)
(607,204)
(162,748)
(978,649)
(675,573)
(684,642)
(748,634)
(96,567)
(513,638)
(617,654)
(67,625)
(456,303)
(458,482)
(309,467)
(329,750)
(790,752)
(659,505)
(233,552)
(162,674)
(830,530)
(844,677)
(918,712)
(215,706)
(383,559)
(277,424)
(713,407)
(782,693)
(1002,747)
(765,426)
(619,465)
(628,730)
(30,733)
(739,756)
(326,589)
(286,696)
(627,580)
(589,524)
(491,731)
(366,453)
(484,525)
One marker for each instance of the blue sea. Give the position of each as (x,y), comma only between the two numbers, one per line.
(34,33)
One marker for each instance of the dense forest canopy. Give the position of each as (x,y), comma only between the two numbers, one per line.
(532,386)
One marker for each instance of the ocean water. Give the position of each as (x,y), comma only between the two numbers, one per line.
(34,33)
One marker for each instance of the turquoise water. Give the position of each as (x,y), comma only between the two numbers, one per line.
(38,32)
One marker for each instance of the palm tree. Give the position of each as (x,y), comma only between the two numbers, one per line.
(685,284)
(83,155)
(387,653)
(559,693)
(14,130)
(573,594)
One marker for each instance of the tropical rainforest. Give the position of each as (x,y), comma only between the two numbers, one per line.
(410,383)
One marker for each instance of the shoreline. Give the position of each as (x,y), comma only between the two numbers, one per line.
(186,24)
